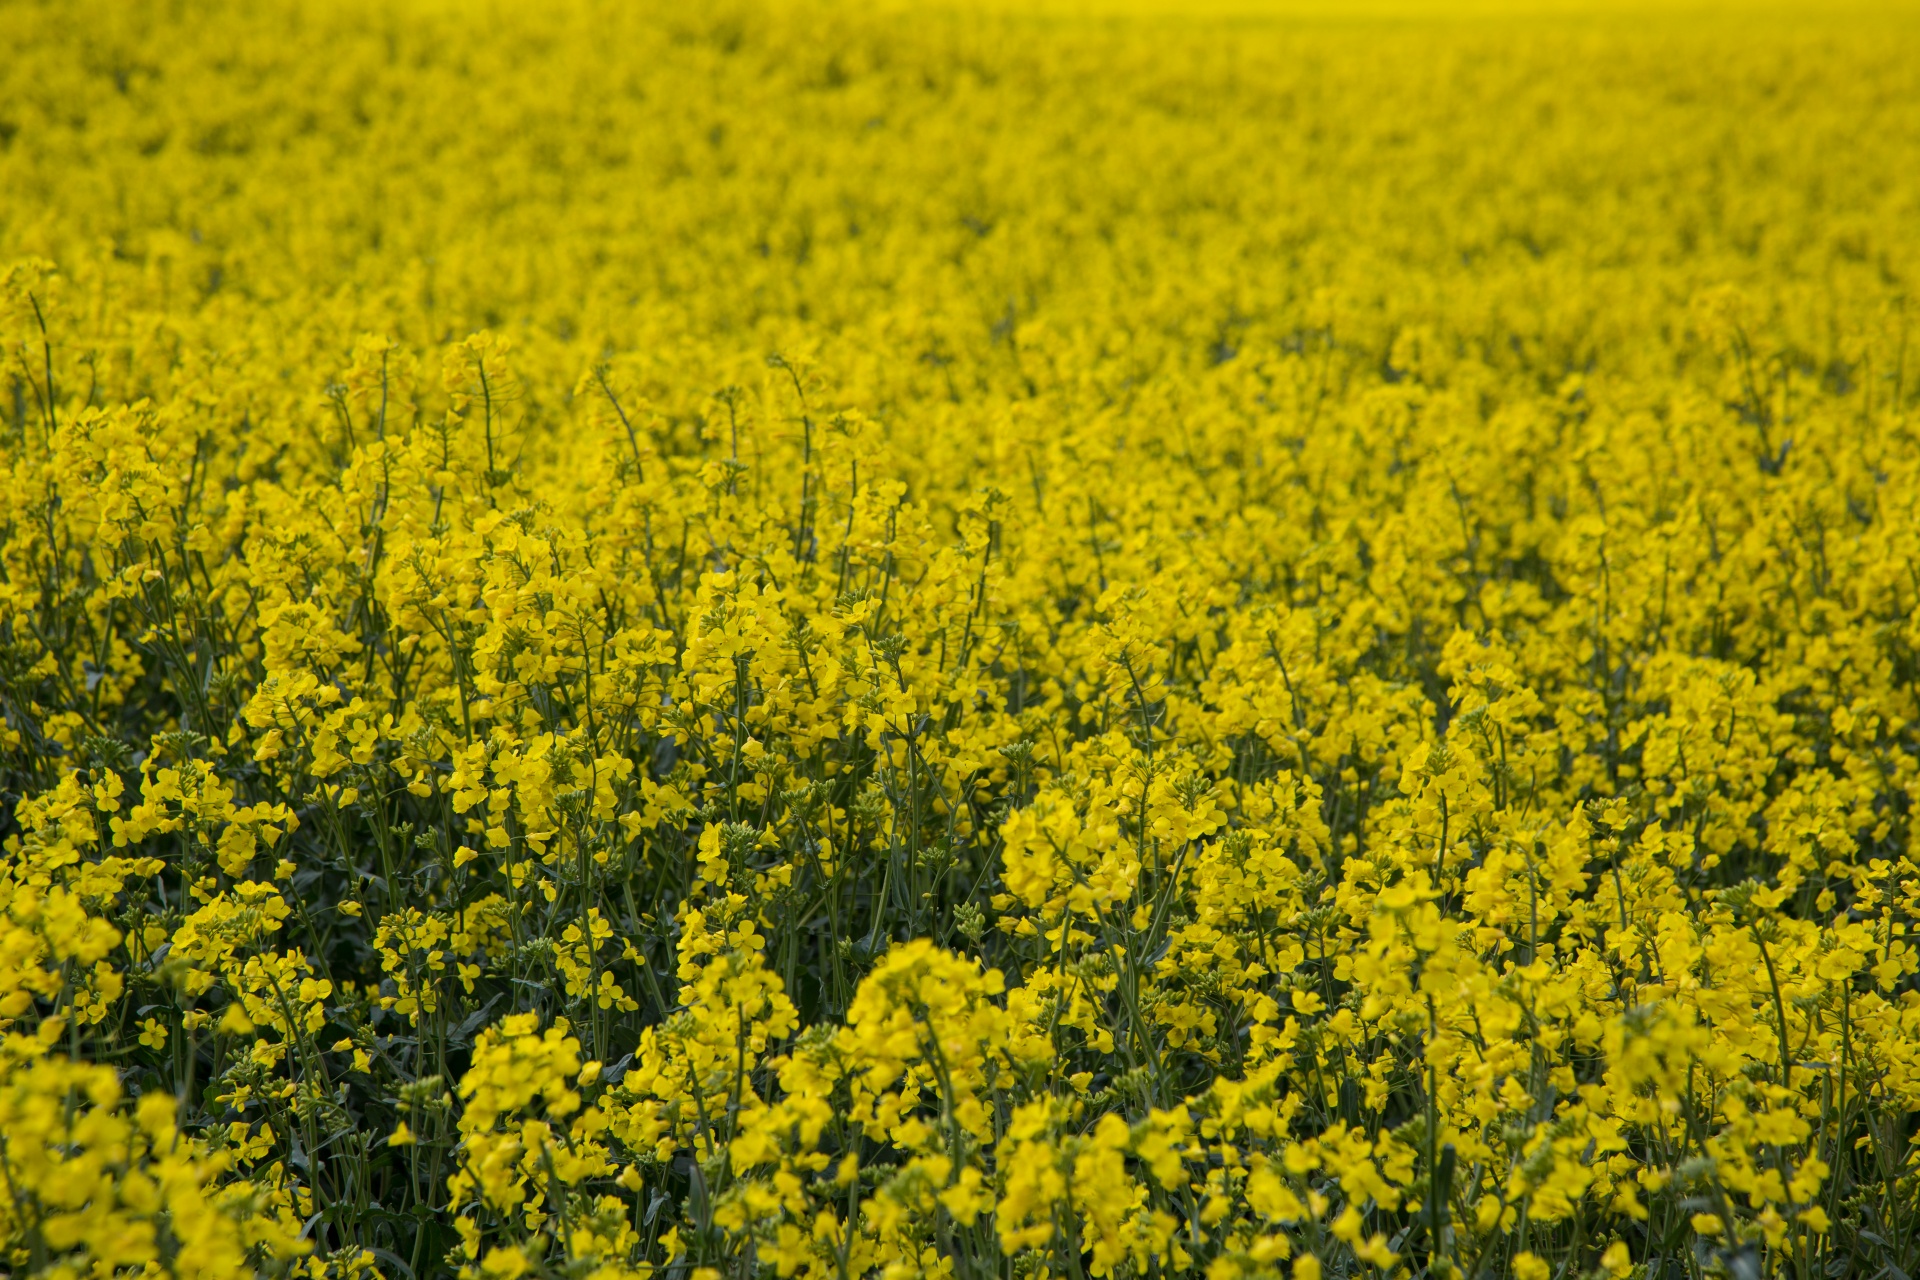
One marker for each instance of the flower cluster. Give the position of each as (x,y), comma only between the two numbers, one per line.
(763,638)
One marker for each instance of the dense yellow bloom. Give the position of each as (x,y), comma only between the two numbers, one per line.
(96,1185)
(769,638)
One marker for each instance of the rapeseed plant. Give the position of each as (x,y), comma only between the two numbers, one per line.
(776,639)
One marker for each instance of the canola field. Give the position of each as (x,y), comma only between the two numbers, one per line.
(765,638)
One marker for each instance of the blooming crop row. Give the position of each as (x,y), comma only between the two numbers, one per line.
(761,638)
